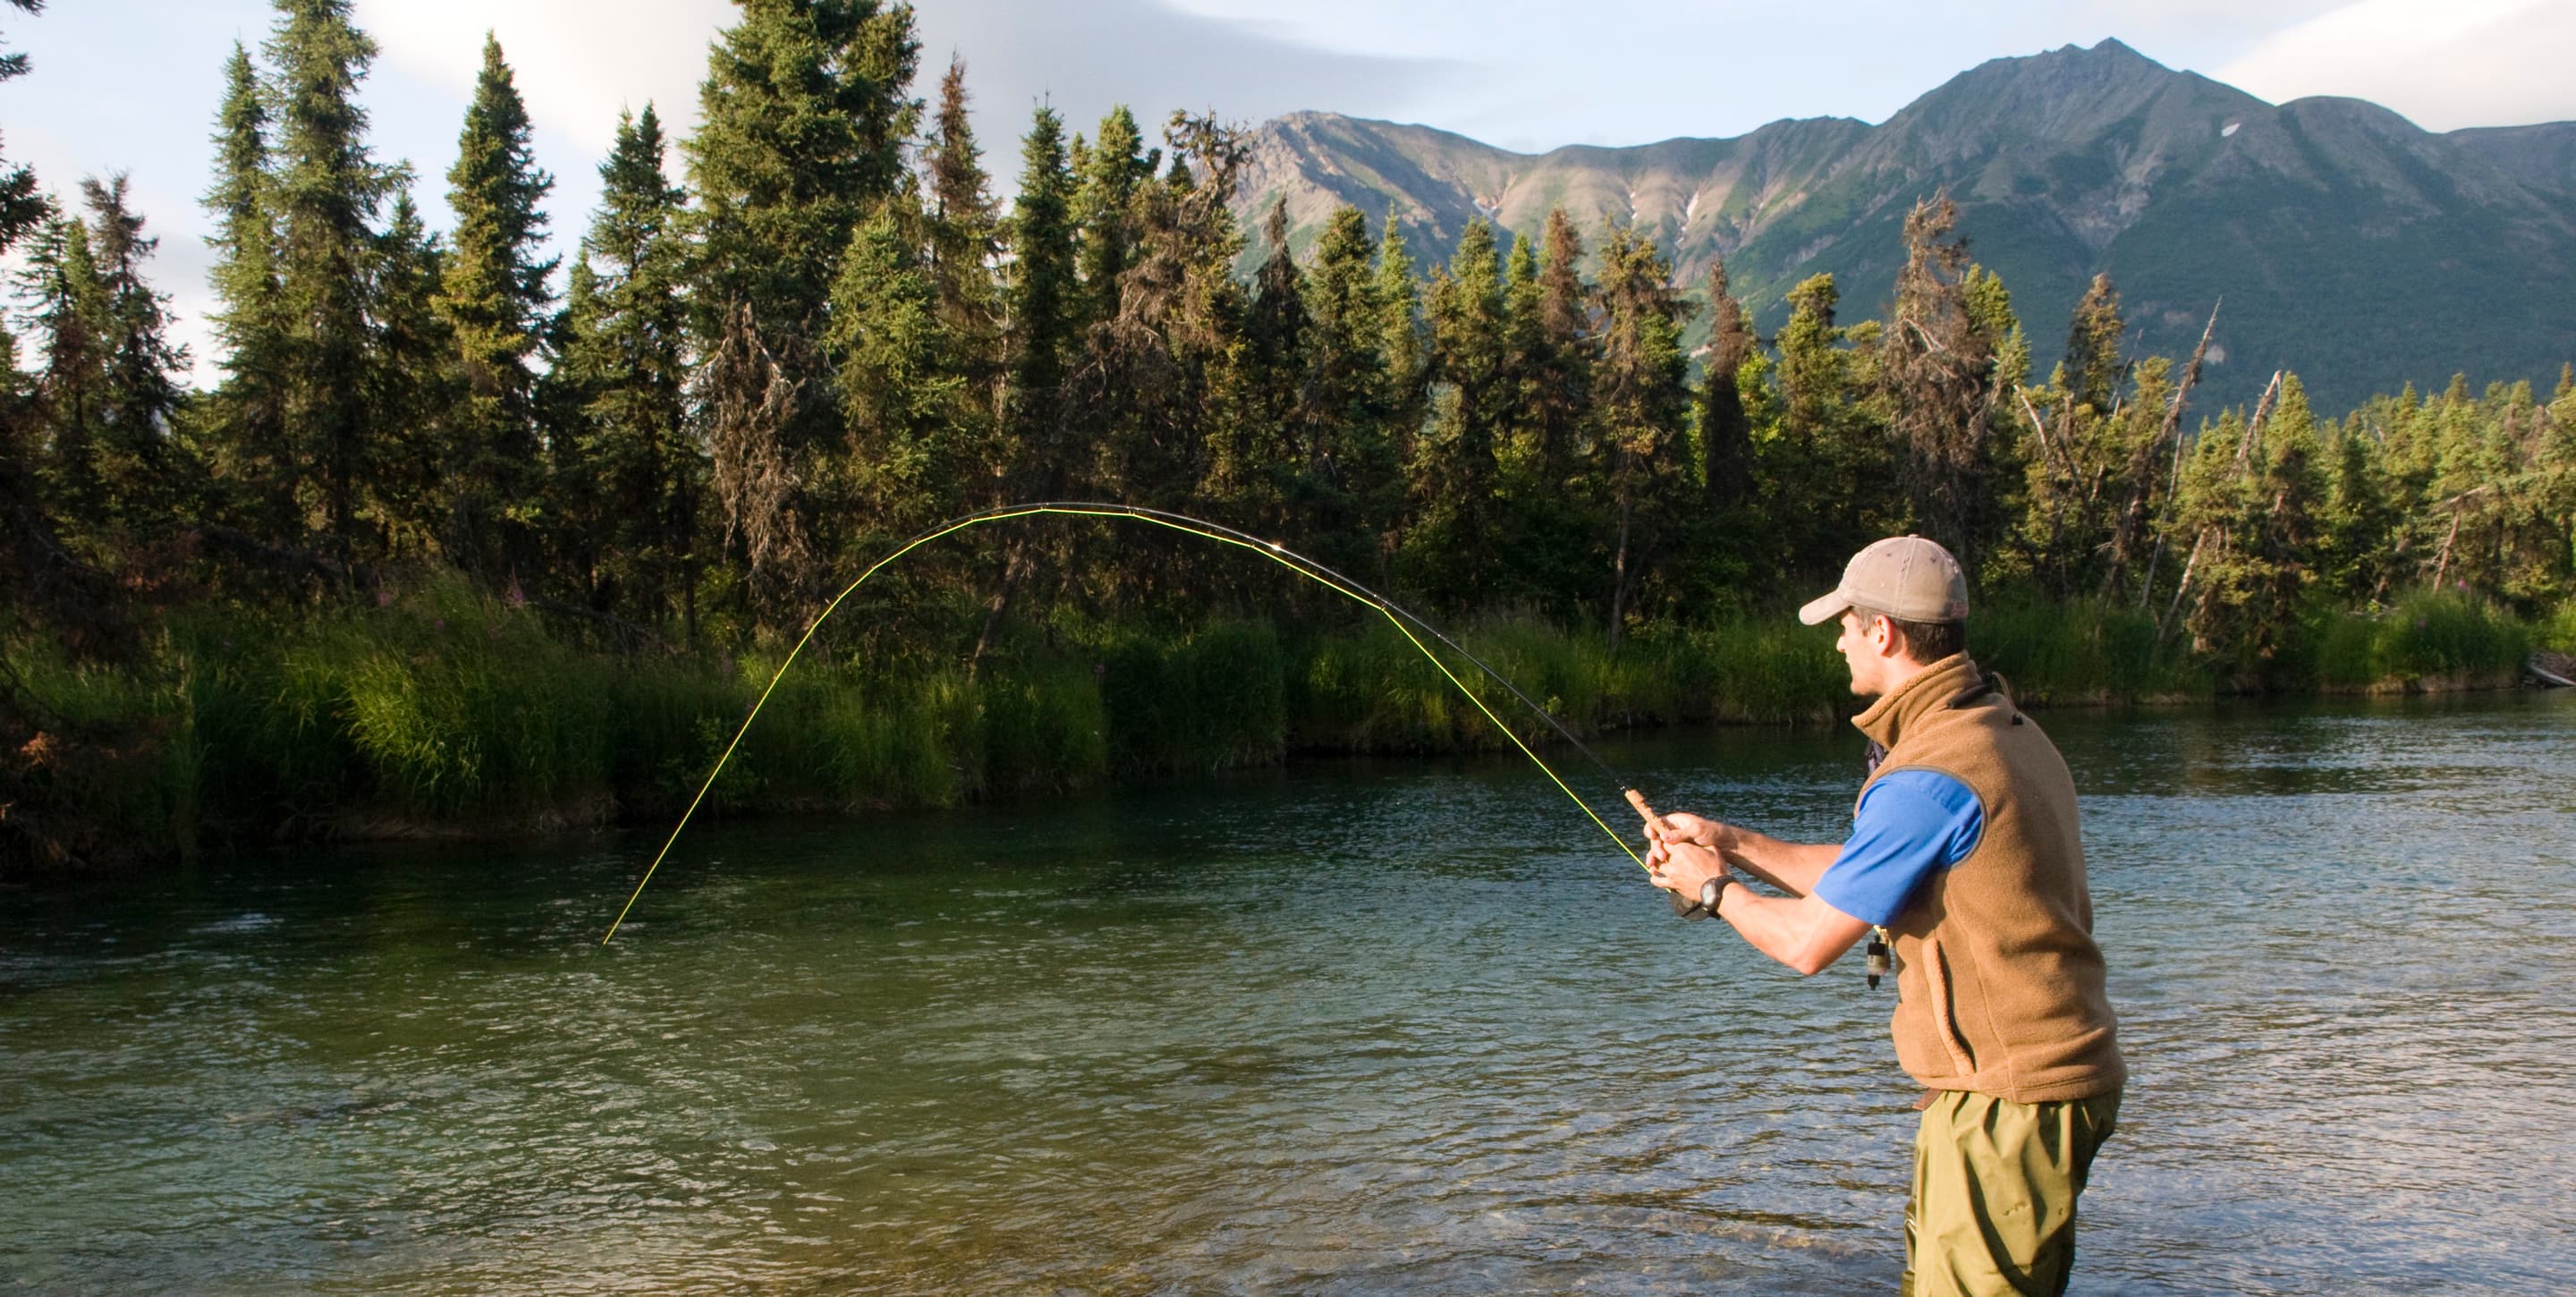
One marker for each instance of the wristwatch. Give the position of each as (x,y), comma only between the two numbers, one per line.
(1709,894)
(1714,890)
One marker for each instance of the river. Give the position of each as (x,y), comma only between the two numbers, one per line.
(1352,1027)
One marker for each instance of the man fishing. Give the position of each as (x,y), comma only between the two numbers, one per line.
(1965,856)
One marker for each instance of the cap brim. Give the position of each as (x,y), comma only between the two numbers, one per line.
(1819,611)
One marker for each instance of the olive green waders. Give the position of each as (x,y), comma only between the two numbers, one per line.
(1995,1183)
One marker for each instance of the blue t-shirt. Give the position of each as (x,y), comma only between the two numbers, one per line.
(1908,824)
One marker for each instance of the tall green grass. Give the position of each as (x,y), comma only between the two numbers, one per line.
(115,767)
(2086,651)
(2557,631)
(2427,633)
(447,710)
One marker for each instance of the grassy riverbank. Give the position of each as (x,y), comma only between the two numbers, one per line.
(444,712)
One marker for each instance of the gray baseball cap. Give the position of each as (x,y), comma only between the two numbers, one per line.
(1904,577)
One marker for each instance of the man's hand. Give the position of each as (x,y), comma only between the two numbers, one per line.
(1682,826)
(1682,867)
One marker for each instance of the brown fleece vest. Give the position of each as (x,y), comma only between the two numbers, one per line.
(1999,984)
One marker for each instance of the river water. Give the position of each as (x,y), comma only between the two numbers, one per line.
(1382,1027)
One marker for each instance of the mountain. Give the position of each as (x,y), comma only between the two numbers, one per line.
(2350,245)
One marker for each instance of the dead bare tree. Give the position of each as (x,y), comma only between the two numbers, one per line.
(2144,475)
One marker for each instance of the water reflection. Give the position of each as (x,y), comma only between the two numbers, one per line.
(1376,1027)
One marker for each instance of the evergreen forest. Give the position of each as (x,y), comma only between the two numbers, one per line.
(465,540)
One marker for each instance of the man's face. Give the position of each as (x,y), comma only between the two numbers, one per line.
(1863,646)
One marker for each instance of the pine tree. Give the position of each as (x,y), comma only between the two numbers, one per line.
(494,299)
(1266,457)
(1042,304)
(416,395)
(22,206)
(633,543)
(1043,309)
(1356,487)
(326,189)
(1549,505)
(965,245)
(1110,172)
(805,112)
(66,309)
(139,392)
(1399,333)
(1451,465)
(2094,368)
(1561,393)
(898,392)
(246,420)
(1641,401)
(1726,431)
(1937,369)
(1831,455)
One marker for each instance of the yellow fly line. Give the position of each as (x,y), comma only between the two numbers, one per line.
(1271,550)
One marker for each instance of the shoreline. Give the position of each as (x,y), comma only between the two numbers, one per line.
(596,816)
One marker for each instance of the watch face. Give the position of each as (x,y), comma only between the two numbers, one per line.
(1709,892)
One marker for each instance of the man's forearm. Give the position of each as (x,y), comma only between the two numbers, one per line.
(1804,933)
(1792,867)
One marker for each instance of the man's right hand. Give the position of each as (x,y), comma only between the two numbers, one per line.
(1682,826)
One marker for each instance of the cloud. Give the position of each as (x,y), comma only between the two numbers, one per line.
(1086,57)
(576,64)
(2443,63)
(578,61)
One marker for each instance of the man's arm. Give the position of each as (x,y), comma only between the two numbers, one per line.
(1908,825)
(1792,867)
(1800,931)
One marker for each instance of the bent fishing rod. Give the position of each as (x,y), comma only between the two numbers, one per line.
(1405,622)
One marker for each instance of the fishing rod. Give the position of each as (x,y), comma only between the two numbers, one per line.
(1405,622)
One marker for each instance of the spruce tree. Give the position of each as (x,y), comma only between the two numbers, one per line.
(246,418)
(1043,308)
(1110,171)
(965,246)
(66,309)
(326,190)
(1162,378)
(1451,466)
(897,390)
(632,544)
(493,298)
(2094,369)
(416,396)
(1401,347)
(1355,485)
(1270,454)
(1725,429)
(1832,455)
(1641,402)
(1560,388)
(22,206)
(1936,369)
(139,390)
(805,110)
(1548,502)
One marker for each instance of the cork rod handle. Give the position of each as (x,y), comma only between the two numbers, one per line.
(1638,800)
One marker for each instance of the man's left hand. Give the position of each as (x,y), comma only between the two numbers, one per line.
(1684,867)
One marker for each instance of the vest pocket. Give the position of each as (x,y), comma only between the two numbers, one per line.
(1936,980)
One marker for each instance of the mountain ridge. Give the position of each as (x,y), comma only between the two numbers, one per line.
(2351,246)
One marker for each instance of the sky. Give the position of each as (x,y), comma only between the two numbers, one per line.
(132,85)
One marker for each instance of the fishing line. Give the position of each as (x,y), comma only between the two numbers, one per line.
(1295,562)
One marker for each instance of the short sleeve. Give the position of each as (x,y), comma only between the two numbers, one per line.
(1909,824)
